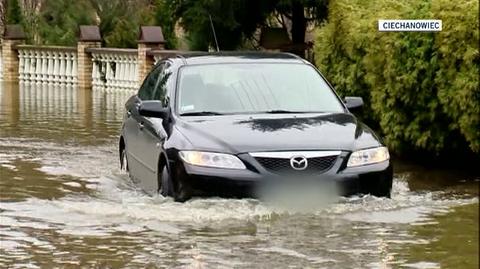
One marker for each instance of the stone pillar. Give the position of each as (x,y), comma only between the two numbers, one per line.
(150,38)
(89,38)
(13,36)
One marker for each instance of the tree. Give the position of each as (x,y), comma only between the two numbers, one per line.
(237,20)
(60,28)
(301,13)
(14,12)
(164,9)
(234,21)
(30,11)
(120,20)
(2,16)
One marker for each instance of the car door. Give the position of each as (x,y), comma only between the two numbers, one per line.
(130,134)
(139,169)
(152,133)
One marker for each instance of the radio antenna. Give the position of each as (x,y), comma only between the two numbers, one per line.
(214,34)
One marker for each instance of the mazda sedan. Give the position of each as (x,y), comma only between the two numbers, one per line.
(227,123)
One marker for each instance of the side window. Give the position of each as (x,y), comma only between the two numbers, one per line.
(148,86)
(160,91)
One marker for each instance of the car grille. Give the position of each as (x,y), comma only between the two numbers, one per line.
(282,165)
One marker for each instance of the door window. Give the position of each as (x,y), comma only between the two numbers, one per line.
(160,91)
(148,86)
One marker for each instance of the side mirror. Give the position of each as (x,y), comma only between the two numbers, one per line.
(153,109)
(353,102)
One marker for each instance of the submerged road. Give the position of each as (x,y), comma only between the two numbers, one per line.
(65,203)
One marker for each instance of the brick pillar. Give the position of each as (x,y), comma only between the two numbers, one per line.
(13,36)
(150,38)
(89,38)
(84,63)
(145,62)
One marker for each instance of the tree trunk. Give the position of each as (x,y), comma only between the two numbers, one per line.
(3,11)
(299,26)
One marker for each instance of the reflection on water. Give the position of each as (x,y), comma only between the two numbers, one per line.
(64,203)
(451,240)
(60,113)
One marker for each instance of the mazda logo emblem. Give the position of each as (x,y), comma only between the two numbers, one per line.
(299,162)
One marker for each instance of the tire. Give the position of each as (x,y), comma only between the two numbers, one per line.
(180,191)
(124,165)
(165,187)
(382,193)
(384,189)
(124,160)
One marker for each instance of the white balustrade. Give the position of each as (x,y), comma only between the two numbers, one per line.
(21,64)
(49,65)
(114,69)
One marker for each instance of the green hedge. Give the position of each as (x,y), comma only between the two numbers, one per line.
(422,88)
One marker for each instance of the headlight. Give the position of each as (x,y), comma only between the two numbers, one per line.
(368,156)
(210,159)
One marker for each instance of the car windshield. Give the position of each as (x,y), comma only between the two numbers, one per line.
(217,89)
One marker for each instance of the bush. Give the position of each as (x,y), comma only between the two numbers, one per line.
(459,61)
(422,88)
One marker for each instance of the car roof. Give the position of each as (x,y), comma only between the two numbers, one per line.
(193,58)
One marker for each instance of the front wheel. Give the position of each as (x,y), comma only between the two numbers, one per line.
(385,192)
(166,187)
(383,189)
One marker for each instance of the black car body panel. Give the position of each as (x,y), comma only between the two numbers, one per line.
(152,143)
(248,133)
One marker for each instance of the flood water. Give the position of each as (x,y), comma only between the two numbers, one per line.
(65,203)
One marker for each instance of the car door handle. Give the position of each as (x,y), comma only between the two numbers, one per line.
(140,125)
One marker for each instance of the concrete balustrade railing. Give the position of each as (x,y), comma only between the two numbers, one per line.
(114,68)
(50,65)
(86,66)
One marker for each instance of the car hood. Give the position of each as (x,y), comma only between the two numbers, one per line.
(275,132)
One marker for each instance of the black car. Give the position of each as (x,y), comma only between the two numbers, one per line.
(224,123)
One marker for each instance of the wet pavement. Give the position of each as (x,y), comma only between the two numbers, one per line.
(65,203)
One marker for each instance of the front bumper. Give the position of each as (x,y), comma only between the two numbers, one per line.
(246,182)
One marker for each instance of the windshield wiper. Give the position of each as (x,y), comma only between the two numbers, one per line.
(281,111)
(201,113)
